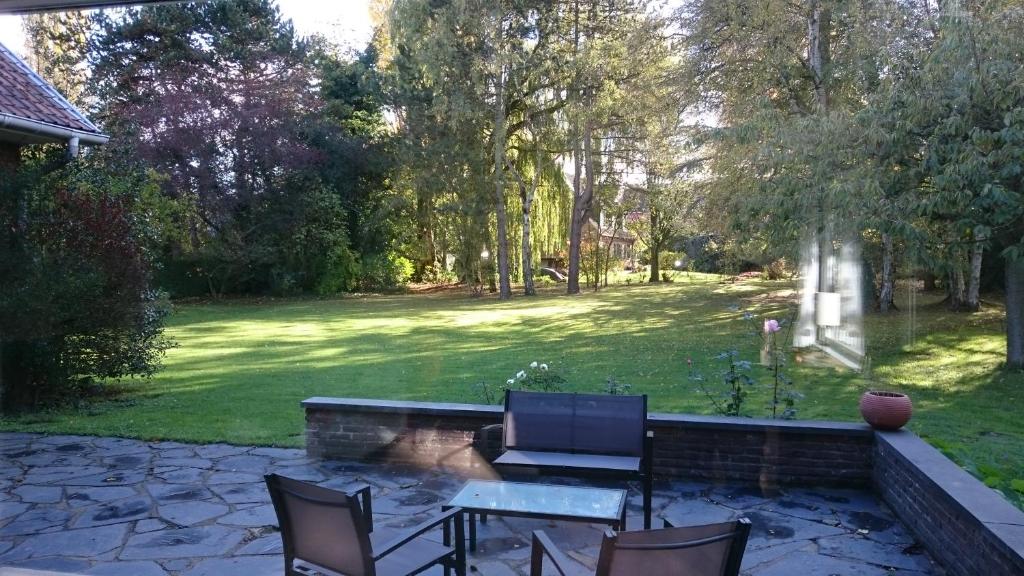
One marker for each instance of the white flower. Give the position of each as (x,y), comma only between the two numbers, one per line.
(520,375)
(533,364)
(543,366)
(510,381)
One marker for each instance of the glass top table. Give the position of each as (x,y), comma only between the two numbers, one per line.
(601,505)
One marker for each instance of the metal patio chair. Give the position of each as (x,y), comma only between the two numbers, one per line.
(709,550)
(330,532)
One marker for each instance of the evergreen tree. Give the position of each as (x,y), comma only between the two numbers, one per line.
(58,48)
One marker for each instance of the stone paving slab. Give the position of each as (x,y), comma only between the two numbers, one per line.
(120,507)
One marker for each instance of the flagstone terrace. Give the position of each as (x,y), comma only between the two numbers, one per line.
(823,498)
(116,507)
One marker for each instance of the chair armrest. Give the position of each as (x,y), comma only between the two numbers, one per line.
(543,546)
(408,535)
(363,492)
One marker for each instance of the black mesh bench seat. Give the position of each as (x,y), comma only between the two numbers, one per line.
(568,433)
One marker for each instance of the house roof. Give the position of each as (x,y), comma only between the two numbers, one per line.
(31,110)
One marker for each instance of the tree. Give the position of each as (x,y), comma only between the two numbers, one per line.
(604,42)
(75,297)
(58,46)
(904,125)
(477,77)
(973,118)
(286,137)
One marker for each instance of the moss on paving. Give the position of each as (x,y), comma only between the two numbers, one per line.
(242,367)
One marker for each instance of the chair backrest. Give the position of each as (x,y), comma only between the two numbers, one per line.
(709,550)
(569,422)
(322,527)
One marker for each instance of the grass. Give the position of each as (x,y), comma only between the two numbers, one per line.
(242,367)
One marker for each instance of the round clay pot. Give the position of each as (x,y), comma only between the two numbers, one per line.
(885,410)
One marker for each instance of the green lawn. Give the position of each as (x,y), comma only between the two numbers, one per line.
(241,368)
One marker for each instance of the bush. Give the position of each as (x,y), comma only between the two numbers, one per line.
(776,270)
(340,272)
(384,271)
(667,259)
(438,275)
(76,307)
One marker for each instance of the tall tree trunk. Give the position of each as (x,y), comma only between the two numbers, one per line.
(608,252)
(817,59)
(818,32)
(955,287)
(974,280)
(526,195)
(588,187)
(930,281)
(655,246)
(886,293)
(528,287)
(504,283)
(582,199)
(1015,313)
(576,220)
(425,234)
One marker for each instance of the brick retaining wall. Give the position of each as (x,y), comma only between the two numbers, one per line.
(766,452)
(426,433)
(965,525)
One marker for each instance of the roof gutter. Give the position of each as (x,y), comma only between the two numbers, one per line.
(33,6)
(58,133)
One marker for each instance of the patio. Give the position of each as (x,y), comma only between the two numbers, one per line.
(116,507)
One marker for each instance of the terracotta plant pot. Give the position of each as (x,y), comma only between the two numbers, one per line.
(885,410)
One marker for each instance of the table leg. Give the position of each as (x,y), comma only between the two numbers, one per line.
(460,545)
(446,539)
(472,532)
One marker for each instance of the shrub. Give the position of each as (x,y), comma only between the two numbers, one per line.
(384,271)
(76,308)
(536,377)
(776,270)
(340,271)
(438,275)
(667,259)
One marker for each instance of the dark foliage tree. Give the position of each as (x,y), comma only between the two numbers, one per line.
(265,140)
(76,304)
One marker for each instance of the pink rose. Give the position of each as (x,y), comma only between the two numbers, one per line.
(771,326)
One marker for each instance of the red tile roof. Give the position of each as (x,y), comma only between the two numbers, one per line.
(24,94)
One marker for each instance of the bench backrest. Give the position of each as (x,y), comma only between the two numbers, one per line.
(569,422)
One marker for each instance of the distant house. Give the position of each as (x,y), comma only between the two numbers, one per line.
(33,112)
(614,237)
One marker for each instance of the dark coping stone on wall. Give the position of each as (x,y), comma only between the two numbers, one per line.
(485,411)
(966,525)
